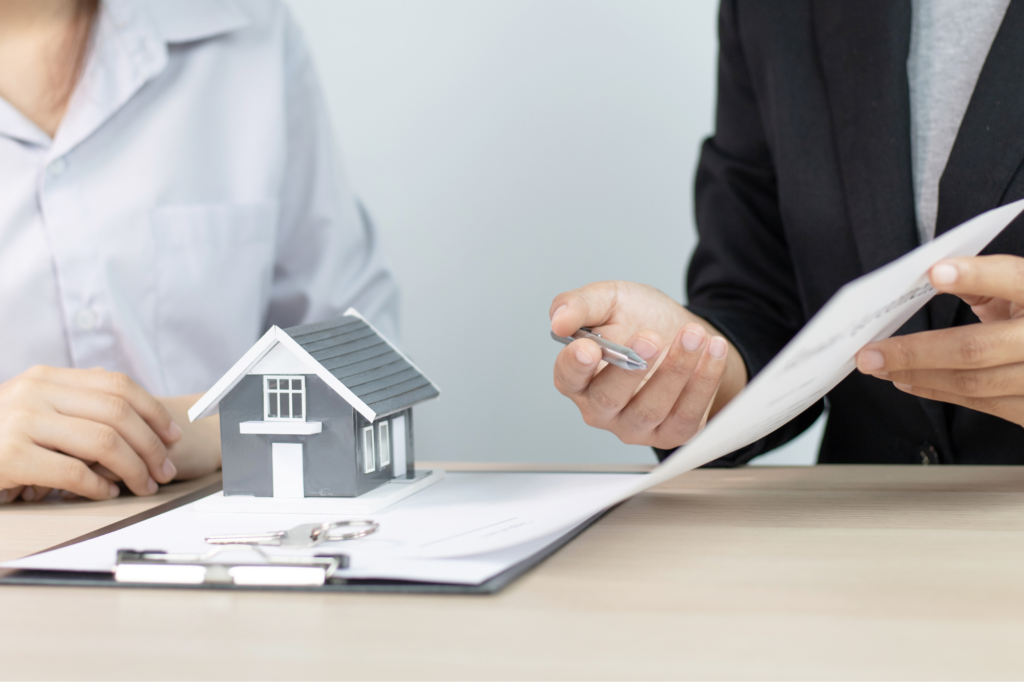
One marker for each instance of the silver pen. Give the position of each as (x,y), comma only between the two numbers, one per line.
(612,353)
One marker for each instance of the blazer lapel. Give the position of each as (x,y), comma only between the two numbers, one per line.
(989,147)
(863,48)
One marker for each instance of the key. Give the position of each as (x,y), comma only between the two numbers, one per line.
(302,536)
(299,536)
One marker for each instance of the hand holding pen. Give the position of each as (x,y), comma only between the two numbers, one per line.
(612,353)
(626,324)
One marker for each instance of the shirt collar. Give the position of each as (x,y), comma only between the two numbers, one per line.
(184,21)
(129,49)
(16,125)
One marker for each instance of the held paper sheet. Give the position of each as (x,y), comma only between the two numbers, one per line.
(868,309)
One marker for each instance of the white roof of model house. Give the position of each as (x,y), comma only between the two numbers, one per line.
(352,357)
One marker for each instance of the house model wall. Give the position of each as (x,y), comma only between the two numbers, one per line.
(317,410)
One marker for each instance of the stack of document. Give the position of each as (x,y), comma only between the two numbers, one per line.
(434,536)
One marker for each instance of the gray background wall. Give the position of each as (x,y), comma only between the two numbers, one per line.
(510,150)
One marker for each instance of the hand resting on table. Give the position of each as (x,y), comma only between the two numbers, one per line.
(82,430)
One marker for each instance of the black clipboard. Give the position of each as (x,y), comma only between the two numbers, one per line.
(15,576)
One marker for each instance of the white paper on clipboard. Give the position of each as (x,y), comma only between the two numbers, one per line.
(481,505)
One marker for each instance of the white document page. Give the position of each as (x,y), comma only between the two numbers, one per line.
(867,309)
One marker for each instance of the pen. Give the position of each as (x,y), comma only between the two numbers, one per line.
(612,353)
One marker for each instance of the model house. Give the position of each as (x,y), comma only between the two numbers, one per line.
(318,410)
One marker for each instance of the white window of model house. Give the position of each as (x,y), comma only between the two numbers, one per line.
(384,444)
(284,398)
(368,458)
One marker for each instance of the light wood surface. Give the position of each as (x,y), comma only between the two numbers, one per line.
(828,572)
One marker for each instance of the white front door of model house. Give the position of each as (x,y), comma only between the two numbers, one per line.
(286,459)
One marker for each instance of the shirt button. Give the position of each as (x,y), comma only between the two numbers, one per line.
(57,167)
(86,319)
(928,454)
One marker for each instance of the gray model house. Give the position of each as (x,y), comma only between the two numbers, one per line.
(318,410)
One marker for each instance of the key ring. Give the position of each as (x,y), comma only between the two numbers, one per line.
(365,527)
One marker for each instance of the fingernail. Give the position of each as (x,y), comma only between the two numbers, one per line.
(170,471)
(558,311)
(692,340)
(645,348)
(902,387)
(28,494)
(870,361)
(584,358)
(718,347)
(174,431)
(67,495)
(151,486)
(114,490)
(945,273)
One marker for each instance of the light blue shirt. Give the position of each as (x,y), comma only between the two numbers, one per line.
(190,199)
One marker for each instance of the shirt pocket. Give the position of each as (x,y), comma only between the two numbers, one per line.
(214,267)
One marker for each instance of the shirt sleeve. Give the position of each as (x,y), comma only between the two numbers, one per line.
(329,255)
(741,277)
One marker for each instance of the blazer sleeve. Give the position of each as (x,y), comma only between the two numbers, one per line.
(741,276)
(329,255)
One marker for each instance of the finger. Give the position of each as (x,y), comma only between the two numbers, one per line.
(115,383)
(10,494)
(1010,408)
(54,470)
(690,412)
(613,387)
(33,493)
(588,306)
(988,382)
(652,403)
(992,309)
(118,413)
(978,277)
(967,347)
(576,366)
(105,472)
(93,442)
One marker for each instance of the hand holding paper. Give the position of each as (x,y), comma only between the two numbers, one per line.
(979,366)
(866,310)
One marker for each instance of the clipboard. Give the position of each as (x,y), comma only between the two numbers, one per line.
(13,576)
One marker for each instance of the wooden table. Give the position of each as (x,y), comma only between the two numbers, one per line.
(818,572)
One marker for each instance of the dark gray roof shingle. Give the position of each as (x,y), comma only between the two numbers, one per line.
(365,363)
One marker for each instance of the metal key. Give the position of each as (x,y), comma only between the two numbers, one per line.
(303,536)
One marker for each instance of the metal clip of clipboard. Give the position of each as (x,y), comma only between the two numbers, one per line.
(159,567)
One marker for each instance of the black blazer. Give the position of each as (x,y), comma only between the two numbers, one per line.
(806,185)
